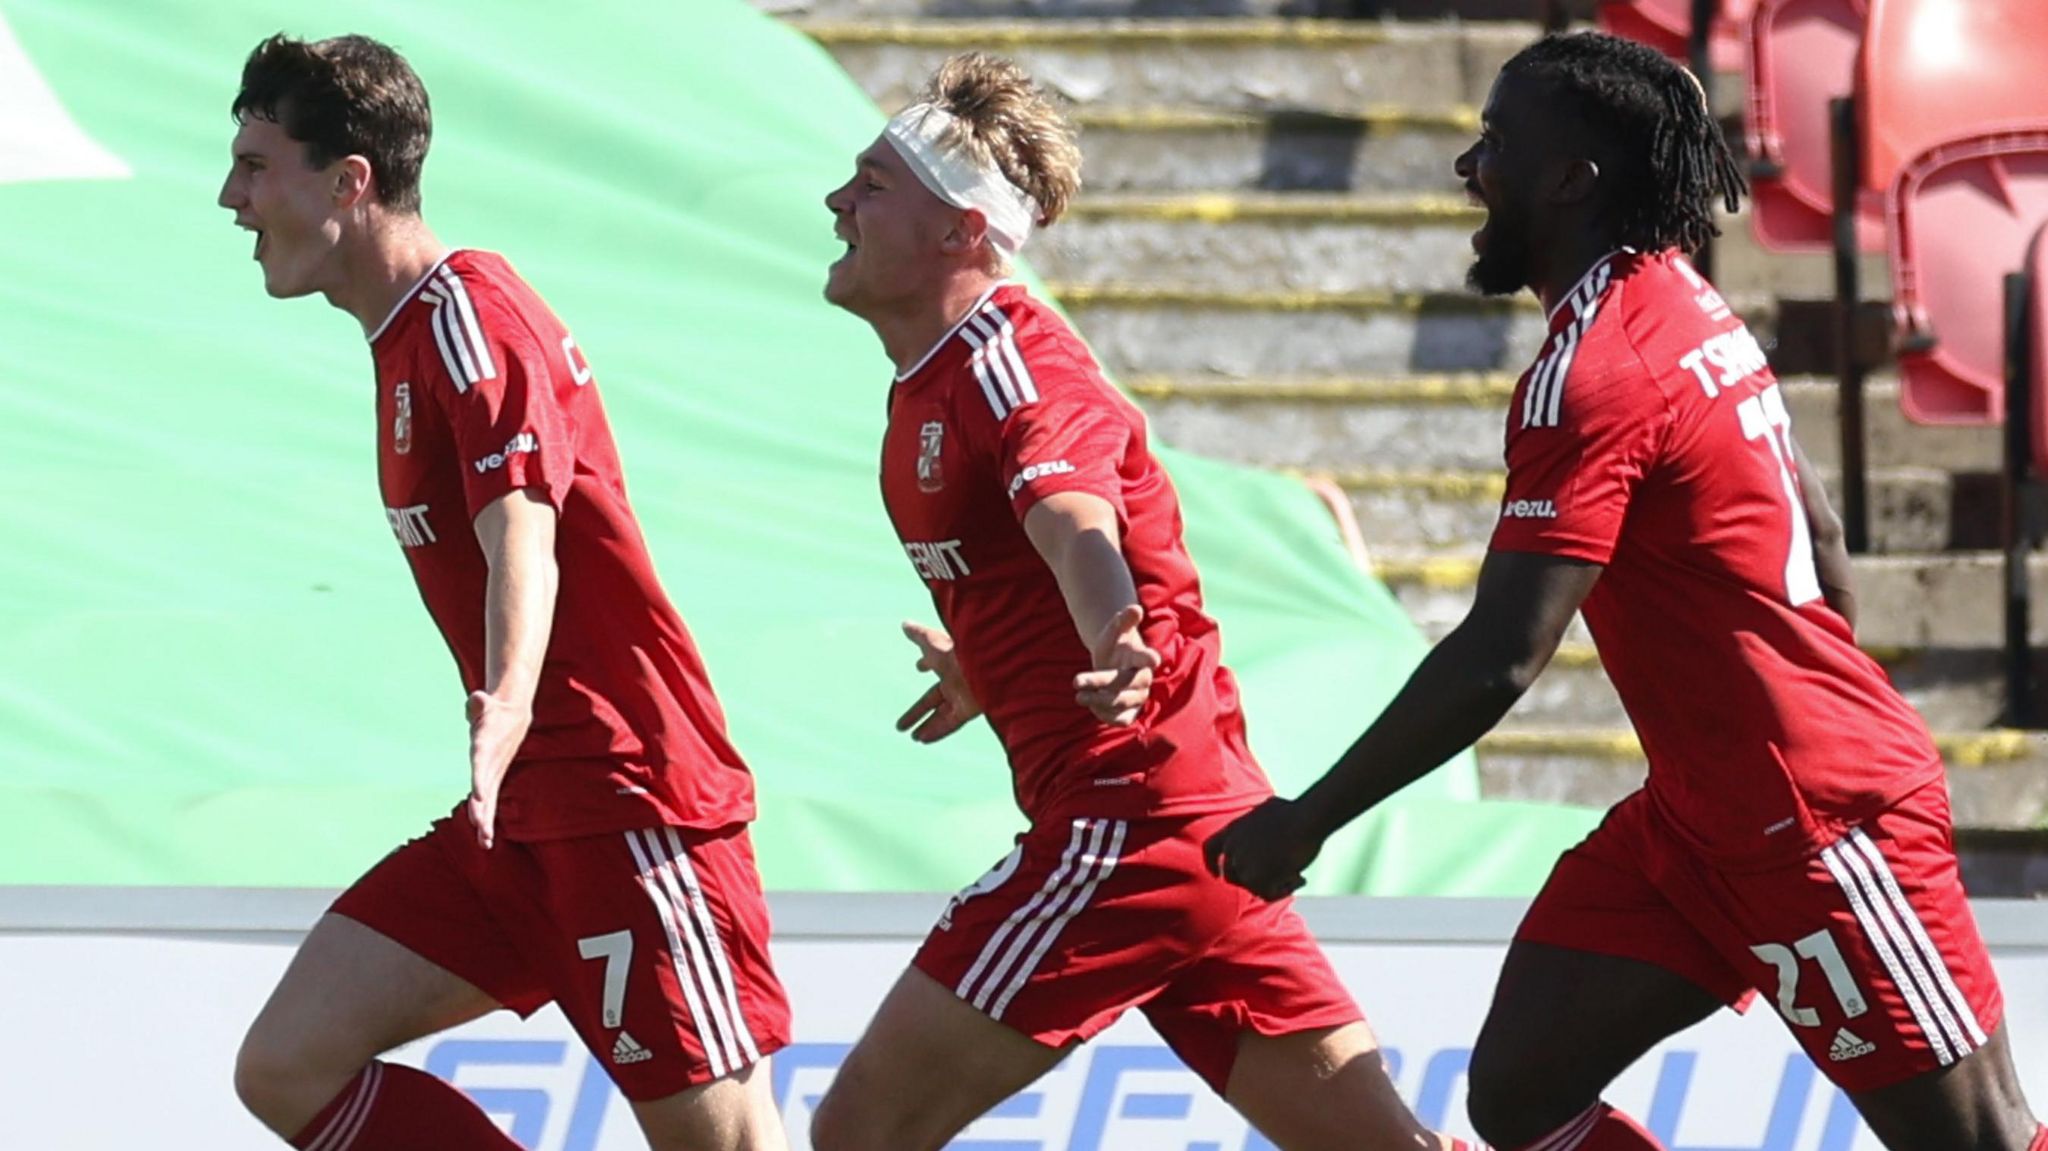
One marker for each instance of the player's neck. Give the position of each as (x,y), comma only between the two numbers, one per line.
(908,335)
(1569,265)
(378,272)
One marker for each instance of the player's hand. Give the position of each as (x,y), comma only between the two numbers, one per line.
(1116,690)
(496,729)
(947,706)
(1265,850)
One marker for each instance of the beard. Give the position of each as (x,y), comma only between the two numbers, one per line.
(1502,268)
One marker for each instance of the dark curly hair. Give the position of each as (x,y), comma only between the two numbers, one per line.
(1665,156)
(348,96)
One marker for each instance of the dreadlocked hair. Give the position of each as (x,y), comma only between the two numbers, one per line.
(1651,117)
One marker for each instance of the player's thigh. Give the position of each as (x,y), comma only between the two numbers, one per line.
(927,1066)
(736,1113)
(655,946)
(409,949)
(1603,967)
(1974,1105)
(349,995)
(1324,1089)
(1871,954)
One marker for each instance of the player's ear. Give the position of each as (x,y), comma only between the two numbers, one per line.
(969,231)
(352,180)
(1577,182)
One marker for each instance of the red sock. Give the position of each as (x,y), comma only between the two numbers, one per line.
(388,1107)
(1598,1128)
(2040,1142)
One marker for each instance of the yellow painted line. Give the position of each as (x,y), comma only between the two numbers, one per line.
(1227,208)
(1474,486)
(1590,743)
(1373,119)
(1958,748)
(1077,295)
(1984,748)
(1439,573)
(1473,389)
(1082,33)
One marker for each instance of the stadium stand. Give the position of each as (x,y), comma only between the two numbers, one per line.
(1801,55)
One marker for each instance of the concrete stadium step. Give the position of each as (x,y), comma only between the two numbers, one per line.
(1141,328)
(1453,512)
(1955,689)
(1225,64)
(1948,600)
(1392,148)
(1997,778)
(1418,241)
(1269,242)
(1341,421)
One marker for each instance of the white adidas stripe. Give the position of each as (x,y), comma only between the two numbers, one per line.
(342,1130)
(647,858)
(1106,864)
(701,910)
(998,365)
(1084,864)
(1003,334)
(1893,927)
(994,946)
(1944,982)
(707,956)
(1569,1136)
(458,293)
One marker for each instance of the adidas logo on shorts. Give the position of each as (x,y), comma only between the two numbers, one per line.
(627,1050)
(1846,1047)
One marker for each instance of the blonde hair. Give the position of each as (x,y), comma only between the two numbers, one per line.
(1006,119)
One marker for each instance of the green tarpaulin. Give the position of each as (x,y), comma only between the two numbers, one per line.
(213,666)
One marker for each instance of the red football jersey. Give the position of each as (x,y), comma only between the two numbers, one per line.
(1652,438)
(480,392)
(1010,408)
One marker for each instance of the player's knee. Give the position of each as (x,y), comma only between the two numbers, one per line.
(839,1123)
(264,1080)
(282,1082)
(1504,1098)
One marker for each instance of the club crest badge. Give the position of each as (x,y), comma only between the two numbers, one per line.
(401,420)
(931,441)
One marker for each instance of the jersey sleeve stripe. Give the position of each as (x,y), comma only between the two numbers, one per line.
(458,371)
(1006,338)
(470,328)
(1562,373)
(989,368)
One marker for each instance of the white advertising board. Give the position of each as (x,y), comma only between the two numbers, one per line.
(115,1037)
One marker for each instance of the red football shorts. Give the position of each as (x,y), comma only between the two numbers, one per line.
(654,942)
(1090,917)
(1868,949)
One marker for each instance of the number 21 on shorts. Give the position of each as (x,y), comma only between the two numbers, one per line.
(1819,947)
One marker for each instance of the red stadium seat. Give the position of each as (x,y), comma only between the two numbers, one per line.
(1934,70)
(1802,55)
(1666,25)
(1962,213)
(1954,125)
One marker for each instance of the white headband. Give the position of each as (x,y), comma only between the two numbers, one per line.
(918,134)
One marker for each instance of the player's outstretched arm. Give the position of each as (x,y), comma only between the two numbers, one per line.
(517,534)
(1830,546)
(1078,537)
(1463,687)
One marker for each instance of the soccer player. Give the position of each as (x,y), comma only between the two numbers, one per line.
(601,861)
(1027,499)
(1793,836)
